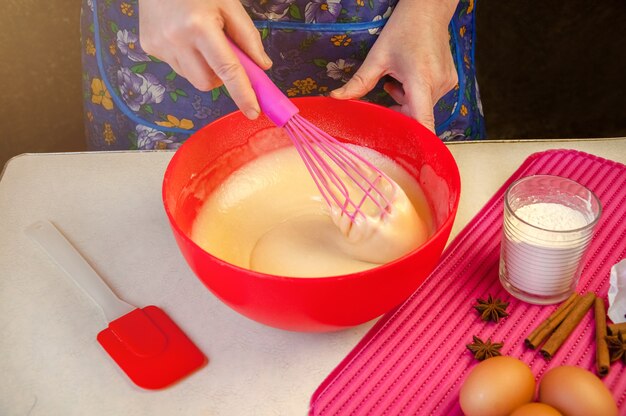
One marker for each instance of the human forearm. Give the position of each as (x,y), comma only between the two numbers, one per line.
(439,10)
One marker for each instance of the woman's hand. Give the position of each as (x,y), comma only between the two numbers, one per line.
(190,35)
(414,49)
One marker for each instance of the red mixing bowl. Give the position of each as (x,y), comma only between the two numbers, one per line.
(324,303)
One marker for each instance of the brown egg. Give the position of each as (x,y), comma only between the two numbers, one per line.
(536,409)
(497,386)
(576,392)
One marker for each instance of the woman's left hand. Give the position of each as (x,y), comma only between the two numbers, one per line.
(414,49)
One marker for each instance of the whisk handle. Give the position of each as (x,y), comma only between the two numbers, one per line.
(273,102)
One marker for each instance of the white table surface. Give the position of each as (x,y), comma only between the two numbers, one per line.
(109,206)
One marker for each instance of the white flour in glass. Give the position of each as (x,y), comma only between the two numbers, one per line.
(542,258)
(548,225)
(551,216)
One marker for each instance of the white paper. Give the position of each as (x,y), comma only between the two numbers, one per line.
(617,293)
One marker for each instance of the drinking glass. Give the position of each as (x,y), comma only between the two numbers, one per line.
(540,259)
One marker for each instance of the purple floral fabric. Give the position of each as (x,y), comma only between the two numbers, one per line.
(135,101)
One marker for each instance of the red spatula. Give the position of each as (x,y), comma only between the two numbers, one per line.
(146,344)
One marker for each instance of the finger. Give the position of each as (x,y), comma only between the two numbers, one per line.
(174,64)
(242,31)
(397,108)
(197,71)
(220,57)
(395,90)
(362,82)
(401,109)
(420,104)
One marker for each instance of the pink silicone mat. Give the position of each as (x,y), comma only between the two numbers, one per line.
(414,360)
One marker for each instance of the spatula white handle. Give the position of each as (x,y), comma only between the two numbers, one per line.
(66,256)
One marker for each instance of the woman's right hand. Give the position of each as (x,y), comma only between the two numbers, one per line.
(190,35)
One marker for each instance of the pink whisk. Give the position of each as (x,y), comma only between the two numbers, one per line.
(356,191)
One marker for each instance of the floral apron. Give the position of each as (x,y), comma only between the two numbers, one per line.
(135,101)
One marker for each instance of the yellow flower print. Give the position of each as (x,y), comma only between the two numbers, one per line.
(108,135)
(340,40)
(160,145)
(466,60)
(90,48)
(113,48)
(462,31)
(292,92)
(322,89)
(100,95)
(470,7)
(360,3)
(305,86)
(173,121)
(463,110)
(127,9)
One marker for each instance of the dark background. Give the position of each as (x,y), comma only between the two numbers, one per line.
(552,69)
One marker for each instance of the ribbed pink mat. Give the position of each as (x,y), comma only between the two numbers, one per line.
(414,360)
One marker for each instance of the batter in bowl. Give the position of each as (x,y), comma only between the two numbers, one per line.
(269,216)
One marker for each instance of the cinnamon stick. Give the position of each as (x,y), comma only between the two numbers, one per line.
(570,322)
(544,329)
(603,362)
(615,328)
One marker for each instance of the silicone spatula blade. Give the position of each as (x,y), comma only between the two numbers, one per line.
(144,342)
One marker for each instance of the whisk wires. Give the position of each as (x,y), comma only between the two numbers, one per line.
(346,179)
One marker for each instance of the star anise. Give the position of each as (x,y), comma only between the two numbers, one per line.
(483,350)
(491,309)
(617,347)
